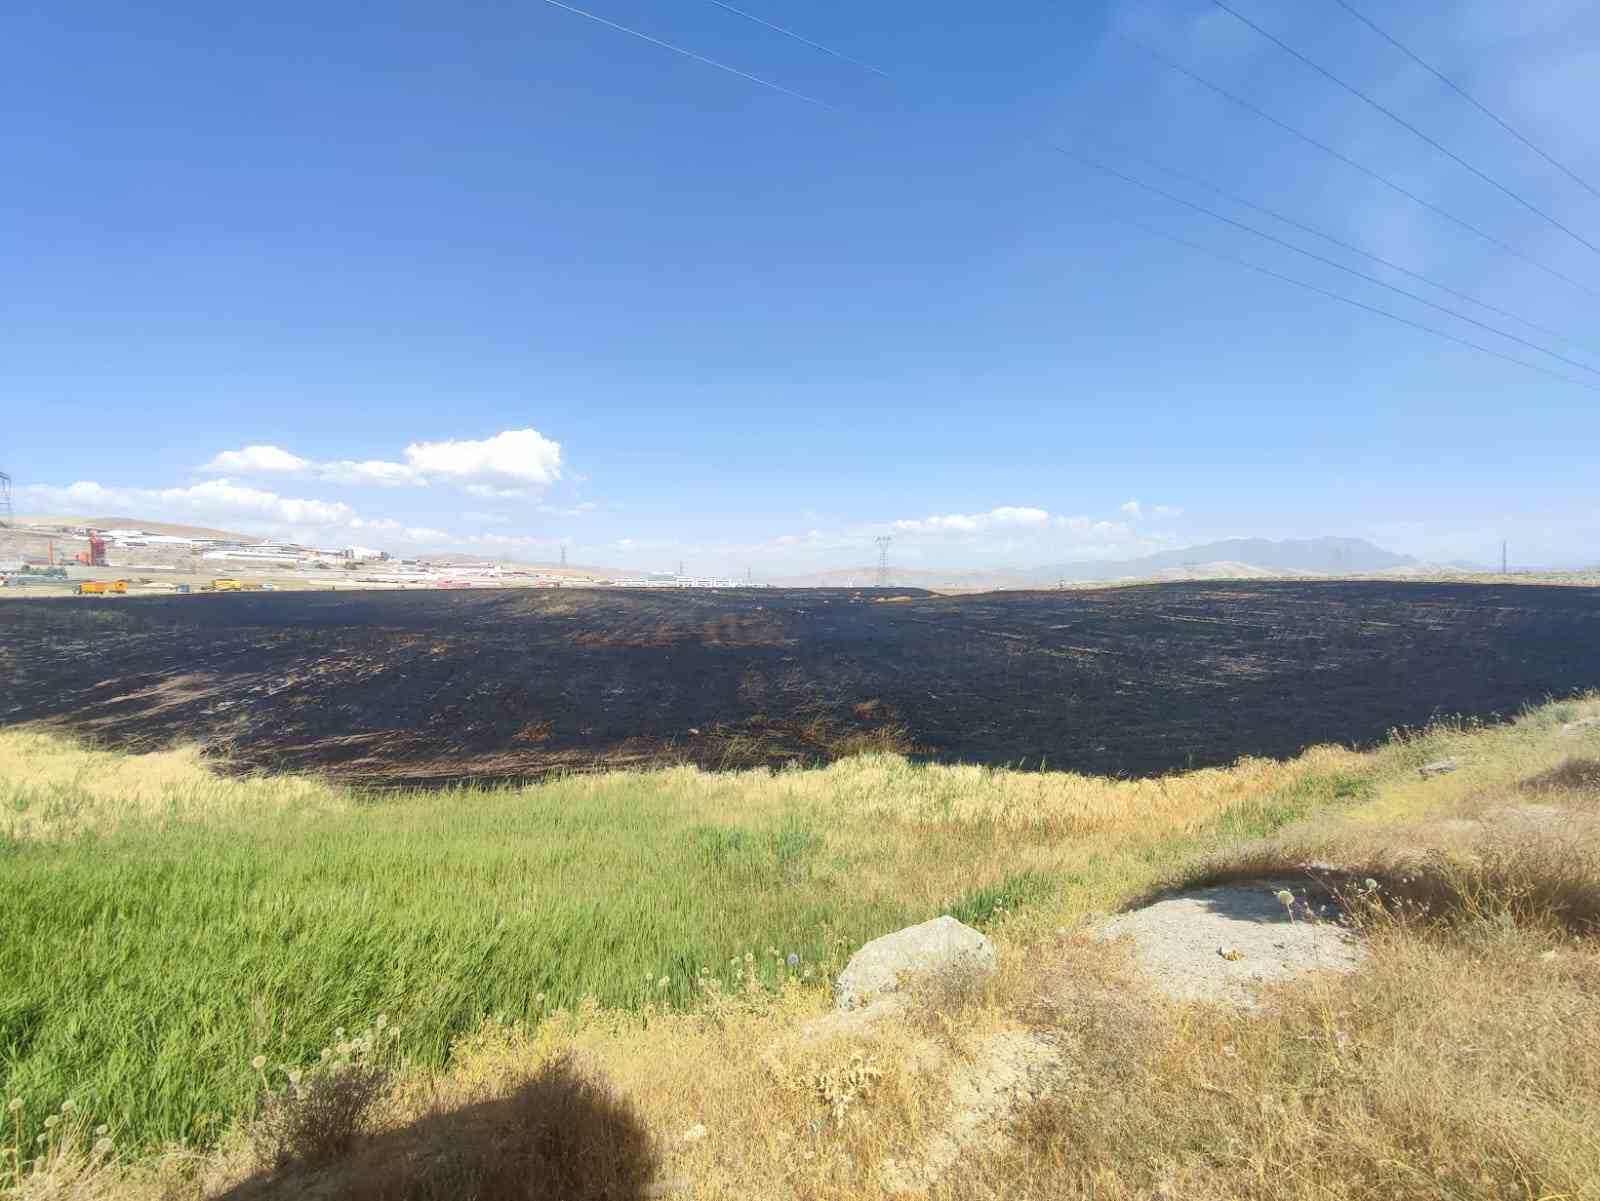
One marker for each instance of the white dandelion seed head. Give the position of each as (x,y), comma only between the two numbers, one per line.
(259,1062)
(16,1104)
(68,1105)
(103,1146)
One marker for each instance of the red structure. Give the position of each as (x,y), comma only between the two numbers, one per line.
(95,556)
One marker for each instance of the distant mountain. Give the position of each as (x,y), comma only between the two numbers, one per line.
(1234,558)
(1311,556)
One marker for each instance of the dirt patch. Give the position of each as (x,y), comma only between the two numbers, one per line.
(1225,943)
(1006,1071)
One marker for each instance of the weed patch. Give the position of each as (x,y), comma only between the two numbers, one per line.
(992,902)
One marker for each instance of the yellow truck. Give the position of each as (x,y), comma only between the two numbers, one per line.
(102,588)
(231,585)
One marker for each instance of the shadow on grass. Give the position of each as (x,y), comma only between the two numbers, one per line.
(559,1135)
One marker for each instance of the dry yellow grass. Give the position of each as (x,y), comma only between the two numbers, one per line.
(54,787)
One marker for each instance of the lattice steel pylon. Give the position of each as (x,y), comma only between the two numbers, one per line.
(883,559)
(5,499)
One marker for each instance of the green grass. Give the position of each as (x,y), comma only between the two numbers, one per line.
(1258,818)
(991,902)
(148,966)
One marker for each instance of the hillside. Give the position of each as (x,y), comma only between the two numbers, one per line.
(1318,556)
(1232,558)
(165,528)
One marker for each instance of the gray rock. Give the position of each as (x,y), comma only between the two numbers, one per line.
(894,961)
(1438,767)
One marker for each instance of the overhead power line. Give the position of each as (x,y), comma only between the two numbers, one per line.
(1307,229)
(1361,167)
(1463,93)
(1350,246)
(1369,308)
(1336,265)
(1404,124)
(699,58)
(1359,304)
(789,33)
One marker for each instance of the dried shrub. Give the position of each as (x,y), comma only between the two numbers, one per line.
(559,1134)
(1577,774)
(315,1118)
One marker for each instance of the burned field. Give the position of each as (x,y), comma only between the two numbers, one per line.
(415,687)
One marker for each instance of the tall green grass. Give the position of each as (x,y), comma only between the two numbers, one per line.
(140,971)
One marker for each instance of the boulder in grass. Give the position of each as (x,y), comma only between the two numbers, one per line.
(942,947)
(1438,767)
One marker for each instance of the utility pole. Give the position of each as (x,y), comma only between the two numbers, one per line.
(748,577)
(563,558)
(1502,556)
(680,566)
(883,560)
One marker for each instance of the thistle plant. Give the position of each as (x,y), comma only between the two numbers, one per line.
(311,1116)
(62,1136)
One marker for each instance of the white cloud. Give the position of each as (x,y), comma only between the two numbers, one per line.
(577,510)
(215,500)
(512,463)
(490,492)
(369,471)
(257,460)
(511,460)
(1137,510)
(1005,517)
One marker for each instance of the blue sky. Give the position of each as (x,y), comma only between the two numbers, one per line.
(499,277)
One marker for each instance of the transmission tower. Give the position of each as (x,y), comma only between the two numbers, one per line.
(883,559)
(5,500)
